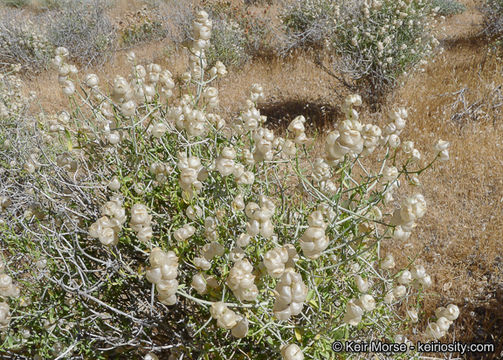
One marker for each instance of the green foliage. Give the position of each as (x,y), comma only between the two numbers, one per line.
(448,7)
(379,43)
(145,31)
(16,3)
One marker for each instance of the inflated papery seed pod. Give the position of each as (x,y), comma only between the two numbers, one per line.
(210,228)
(190,169)
(314,241)
(291,352)
(226,318)
(362,284)
(225,162)
(388,263)
(184,232)
(298,129)
(241,281)
(243,240)
(163,272)
(412,208)
(263,149)
(7,287)
(260,217)
(434,332)
(209,251)
(451,312)
(366,302)
(201,282)
(194,212)
(140,222)
(405,277)
(280,258)
(291,293)
(107,228)
(347,139)
(444,323)
(4,315)
(275,260)
(241,328)
(353,314)
(229,320)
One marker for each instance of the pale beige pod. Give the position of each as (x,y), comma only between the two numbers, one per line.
(5,283)
(228,319)
(413,316)
(154,275)
(266,229)
(418,272)
(217,309)
(361,284)
(201,263)
(353,314)
(405,277)
(114,184)
(366,302)
(240,329)
(292,352)
(399,291)
(434,332)
(199,284)
(4,314)
(451,312)
(426,281)
(151,356)
(388,263)
(243,240)
(444,323)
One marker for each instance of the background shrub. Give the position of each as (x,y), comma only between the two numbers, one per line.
(16,3)
(493,18)
(309,23)
(24,42)
(448,7)
(378,41)
(84,28)
(143,25)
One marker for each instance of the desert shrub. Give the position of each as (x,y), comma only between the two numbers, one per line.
(238,35)
(84,28)
(309,23)
(493,19)
(177,17)
(16,3)
(448,7)
(143,25)
(23,42)
(160,226)
(371,42)
(228,43)
(378,41)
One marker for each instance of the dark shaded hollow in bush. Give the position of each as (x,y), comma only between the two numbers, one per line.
(318,115)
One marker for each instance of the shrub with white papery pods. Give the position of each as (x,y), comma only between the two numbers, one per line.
(225,227)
